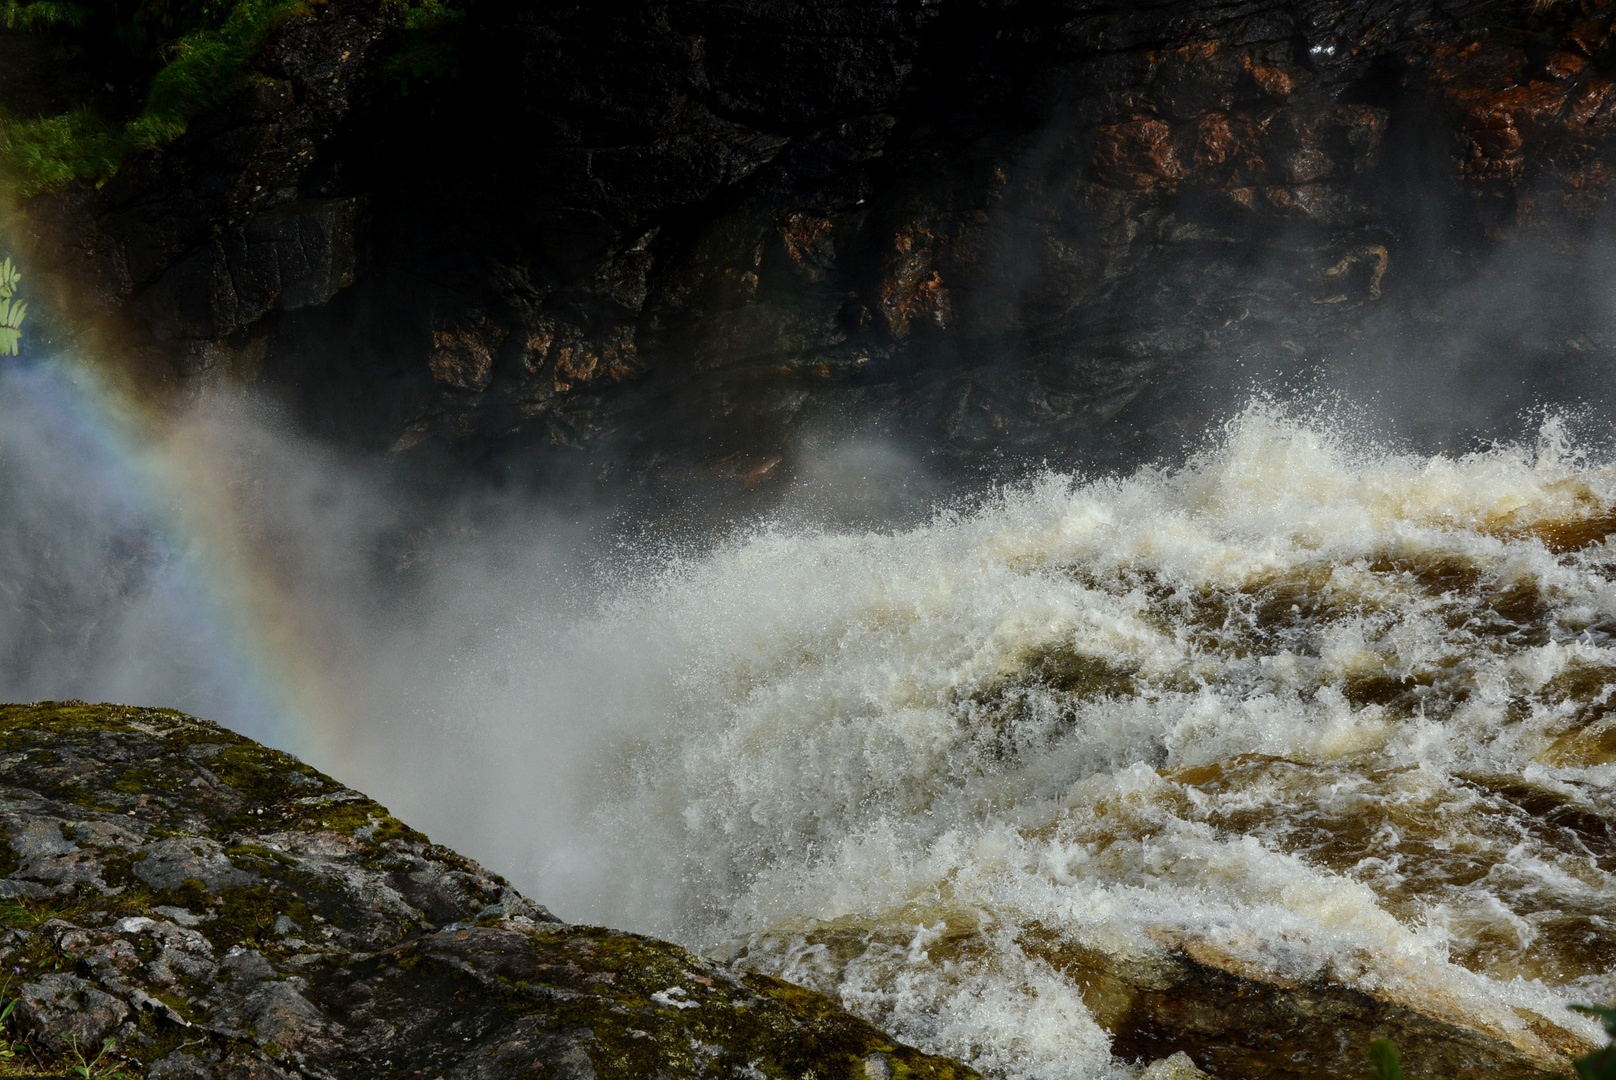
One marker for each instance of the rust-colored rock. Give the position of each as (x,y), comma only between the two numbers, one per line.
(463,358)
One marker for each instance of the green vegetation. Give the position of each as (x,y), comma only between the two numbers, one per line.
(193,55)
(100,1067)
(1387,1061)
(8,1047)
(44,15)
(12,310)
(198,56)
(429,44)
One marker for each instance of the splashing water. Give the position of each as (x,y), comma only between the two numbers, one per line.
(1316,714)
(1324,714)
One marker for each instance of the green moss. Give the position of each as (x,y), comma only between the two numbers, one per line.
(57,715)
(616,986)
(362,818)
(199,53)
(137,781)
(263,775)
(261,788)
(246,915)
(431,45)
(22,914)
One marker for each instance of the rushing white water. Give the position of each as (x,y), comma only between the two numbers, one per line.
(1341,715)
(1325,713)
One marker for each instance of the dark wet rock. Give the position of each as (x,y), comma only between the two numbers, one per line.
(221,910)
(189,247)
(682,234)
(1192,1007)
(1235,1020)
(66,1011)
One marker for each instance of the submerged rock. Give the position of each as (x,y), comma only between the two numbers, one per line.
(221,910)
(1237,1020)
(1177,1067)
(1191,1008)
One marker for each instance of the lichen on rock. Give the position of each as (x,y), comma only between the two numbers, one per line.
(221,910)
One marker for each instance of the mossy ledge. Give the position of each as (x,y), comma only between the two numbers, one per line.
(221,910)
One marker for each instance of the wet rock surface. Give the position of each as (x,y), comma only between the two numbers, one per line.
(183,253)
(1190,1007)
(1237,1021)
(221,910)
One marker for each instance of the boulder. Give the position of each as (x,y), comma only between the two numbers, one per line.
(221,910)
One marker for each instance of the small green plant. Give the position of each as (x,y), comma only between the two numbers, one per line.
(100,1067)
(1387,1061)
(12,310)
(8,1047)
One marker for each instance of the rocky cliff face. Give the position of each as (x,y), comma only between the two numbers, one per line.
(219,909)
(693,230)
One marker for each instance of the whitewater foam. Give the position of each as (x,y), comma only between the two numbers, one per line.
(1329,712)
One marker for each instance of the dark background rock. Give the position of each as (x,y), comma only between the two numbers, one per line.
(683,236)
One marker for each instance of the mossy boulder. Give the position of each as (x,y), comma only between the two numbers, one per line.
(221,910)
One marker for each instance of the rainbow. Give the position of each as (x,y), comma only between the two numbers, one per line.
(255,661)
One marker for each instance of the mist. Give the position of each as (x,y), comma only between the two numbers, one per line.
(488,659)
(438,645)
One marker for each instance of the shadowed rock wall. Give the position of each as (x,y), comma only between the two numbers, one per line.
(684,233)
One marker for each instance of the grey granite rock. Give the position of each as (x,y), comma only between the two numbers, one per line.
(223,912)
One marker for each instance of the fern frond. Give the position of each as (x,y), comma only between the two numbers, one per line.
(12,313)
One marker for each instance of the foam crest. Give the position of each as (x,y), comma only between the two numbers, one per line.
(1318,710)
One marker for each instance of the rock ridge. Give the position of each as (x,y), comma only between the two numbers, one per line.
(221,910)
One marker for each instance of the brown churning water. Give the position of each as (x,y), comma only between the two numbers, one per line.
(1345,717)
